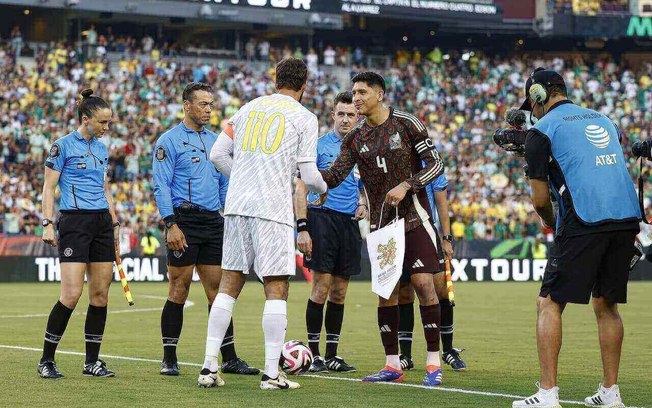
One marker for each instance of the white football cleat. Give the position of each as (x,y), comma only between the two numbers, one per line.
(279,383)
(209,379)
(542,399)
(605,398)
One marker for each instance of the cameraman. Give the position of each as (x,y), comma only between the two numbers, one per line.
(575,153)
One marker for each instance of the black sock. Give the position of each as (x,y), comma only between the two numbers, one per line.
(446,325)
(228,344)
(57,323)
(93,331)
(314,318)
(405,328)
(333,326)
(171,323)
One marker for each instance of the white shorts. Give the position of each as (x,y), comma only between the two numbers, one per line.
(266,245)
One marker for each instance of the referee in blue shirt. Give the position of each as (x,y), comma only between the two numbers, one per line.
(437,191)
(190,193)
(87,231)
(331,240)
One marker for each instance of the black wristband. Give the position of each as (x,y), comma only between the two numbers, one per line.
(448,238)
(116,224)
(302,225)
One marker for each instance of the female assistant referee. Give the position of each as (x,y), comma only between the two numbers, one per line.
(88,230)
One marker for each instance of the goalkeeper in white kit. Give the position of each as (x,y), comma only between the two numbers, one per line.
(259,150)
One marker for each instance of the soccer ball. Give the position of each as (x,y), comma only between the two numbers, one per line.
(296,357)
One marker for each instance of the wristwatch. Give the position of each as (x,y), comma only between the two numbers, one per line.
(169,222)
(116,224)
(448,238)
(46,222)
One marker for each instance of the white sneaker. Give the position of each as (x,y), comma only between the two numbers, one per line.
(542,399)
(209,379)
(605,398)
(279,383)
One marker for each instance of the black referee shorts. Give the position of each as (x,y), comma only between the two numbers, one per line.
(593,264)
(204,232)
(85,236)
(336,242)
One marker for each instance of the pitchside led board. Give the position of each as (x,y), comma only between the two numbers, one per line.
(426,10)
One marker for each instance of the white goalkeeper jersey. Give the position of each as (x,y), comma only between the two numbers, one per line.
(271,134)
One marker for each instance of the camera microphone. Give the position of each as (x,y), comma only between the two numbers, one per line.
(515,117)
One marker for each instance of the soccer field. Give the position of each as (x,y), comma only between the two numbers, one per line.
(494,322)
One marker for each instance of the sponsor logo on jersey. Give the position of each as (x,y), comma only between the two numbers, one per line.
(597,136)
(364,149)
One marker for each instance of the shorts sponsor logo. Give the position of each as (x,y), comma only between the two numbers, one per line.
(55,151)
(395,141)
(177,254)
(160,153)
(67,252)
(418,264)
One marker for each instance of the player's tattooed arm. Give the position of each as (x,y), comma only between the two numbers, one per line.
(343,165)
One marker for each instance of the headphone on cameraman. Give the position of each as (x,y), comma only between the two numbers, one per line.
(538,91)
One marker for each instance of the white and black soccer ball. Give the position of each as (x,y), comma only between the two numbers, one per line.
(296,357)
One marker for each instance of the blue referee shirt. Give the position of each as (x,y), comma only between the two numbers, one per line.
(183,171)
(343,198)
(439,184)
(83,165)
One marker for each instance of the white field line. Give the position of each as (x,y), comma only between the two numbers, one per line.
(189,303)
(324,377)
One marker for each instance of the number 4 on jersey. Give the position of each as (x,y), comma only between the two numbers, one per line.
(380,161)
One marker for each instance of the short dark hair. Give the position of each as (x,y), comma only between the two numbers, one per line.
(343,97)
(370,78)
(554,90)
(88,104)
(193,87)
(291,73)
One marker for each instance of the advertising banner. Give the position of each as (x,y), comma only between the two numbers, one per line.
(482,261)
(427,10)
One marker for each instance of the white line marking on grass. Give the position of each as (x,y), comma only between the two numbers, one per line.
(189,303)
(325,377)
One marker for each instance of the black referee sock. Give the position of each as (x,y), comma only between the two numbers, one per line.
(171,323)
(57,322)
(314,319)
(333,326)
(94,331)
(405,328)
(446,325)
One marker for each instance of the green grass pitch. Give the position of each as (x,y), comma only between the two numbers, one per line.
(493,321)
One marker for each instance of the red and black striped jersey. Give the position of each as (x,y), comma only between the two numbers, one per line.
(386,155)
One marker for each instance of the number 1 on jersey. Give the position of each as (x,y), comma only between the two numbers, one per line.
(380,161)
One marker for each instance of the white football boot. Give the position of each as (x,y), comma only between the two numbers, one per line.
(542,399)
(279,383)
(605,398)
(209,379)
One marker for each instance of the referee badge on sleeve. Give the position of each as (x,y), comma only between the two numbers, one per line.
(160,153)
(55,151)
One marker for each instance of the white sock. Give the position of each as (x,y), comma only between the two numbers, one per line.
(433,359)
(218,322)
(393,361)
(275,322)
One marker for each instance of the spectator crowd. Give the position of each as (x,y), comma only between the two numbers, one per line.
(460,97)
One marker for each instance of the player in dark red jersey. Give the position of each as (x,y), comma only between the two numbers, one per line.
(389,147)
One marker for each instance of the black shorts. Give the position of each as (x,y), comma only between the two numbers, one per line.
(86,236)
(592,264)
(204,232)
(336,242)
(421,254)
